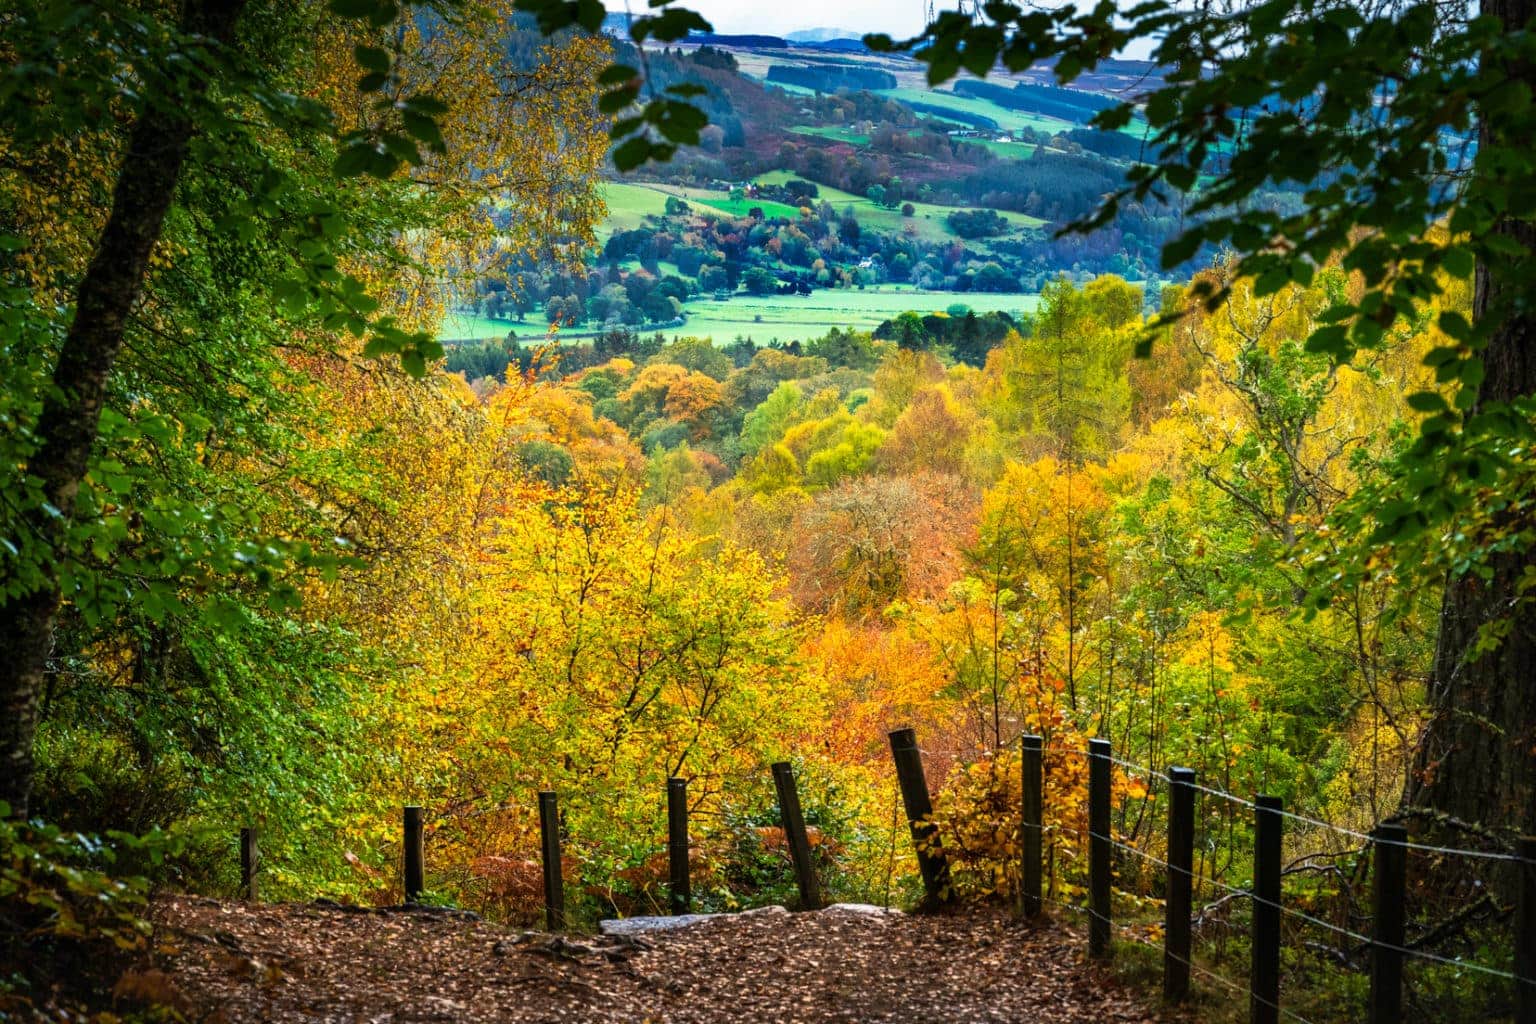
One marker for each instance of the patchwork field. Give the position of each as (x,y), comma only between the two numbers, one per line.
(927,221)
(629,203)
(784,318)
(1006,119)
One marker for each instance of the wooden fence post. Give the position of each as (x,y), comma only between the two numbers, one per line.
(677,845)
(415,855)
(549,843)
(1264,988)
(794,833)
(1389,891)
(1181,861)
(1525,933)
(914,795)
(250,863)
(1099,860)
(1031,750)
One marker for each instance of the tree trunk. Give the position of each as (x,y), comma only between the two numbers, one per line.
(1477,760)
(67,429)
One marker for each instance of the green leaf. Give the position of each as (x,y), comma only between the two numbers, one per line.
(1454,325)
(371,58)
(1458,261)
(631,154)
(353,159)
(617,74)
(1427,401)
(422,127)
(1271,281)
(1331,340)
(1182,249)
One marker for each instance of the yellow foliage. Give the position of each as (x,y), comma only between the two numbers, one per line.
(979,814)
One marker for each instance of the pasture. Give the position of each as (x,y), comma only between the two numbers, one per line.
(801,318)
(927,222)
(766,318)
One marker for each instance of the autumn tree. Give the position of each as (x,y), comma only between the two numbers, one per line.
(242,206)
(1064,384)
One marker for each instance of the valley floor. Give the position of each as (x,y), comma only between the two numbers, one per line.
(232,962)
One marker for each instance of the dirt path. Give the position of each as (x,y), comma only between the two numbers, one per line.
(229,963)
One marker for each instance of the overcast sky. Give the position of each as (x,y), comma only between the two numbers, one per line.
(776,17)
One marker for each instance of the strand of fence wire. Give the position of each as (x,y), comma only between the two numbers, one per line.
(1447,961)
(1363,837)
(1363,939)
(1227,983)
(1196,879)
(1317,921)
(1212,975)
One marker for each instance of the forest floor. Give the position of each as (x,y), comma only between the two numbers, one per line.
(225,963)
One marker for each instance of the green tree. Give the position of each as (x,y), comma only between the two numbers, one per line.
(201,213)
(1067,377)
(766,424)
(759,281)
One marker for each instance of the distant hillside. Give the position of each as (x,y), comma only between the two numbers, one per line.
(822,35)
(838,46)
(753,42)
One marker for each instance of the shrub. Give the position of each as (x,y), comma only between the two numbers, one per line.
(980,812)
(66,918)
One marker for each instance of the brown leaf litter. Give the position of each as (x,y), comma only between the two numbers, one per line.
(227,963)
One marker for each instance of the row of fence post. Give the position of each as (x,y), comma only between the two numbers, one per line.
(679,886)
(1389,848)
(1389,851)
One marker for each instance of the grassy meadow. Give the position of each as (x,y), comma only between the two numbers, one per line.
(768,318)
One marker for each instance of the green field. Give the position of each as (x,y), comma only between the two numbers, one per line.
(458,328)
(1008,120)
(927,222)
(801,318)
(741,207)
(629,205)
(834,132)
(1006,150)
(771,317)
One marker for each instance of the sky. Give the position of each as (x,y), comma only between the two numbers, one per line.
(776,17)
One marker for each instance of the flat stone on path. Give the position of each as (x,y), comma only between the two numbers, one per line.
(642,925)
(860,908)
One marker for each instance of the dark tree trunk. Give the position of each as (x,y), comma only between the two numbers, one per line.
(1477,759)
(67,429)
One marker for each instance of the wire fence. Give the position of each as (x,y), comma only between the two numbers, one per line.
(1350,943)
